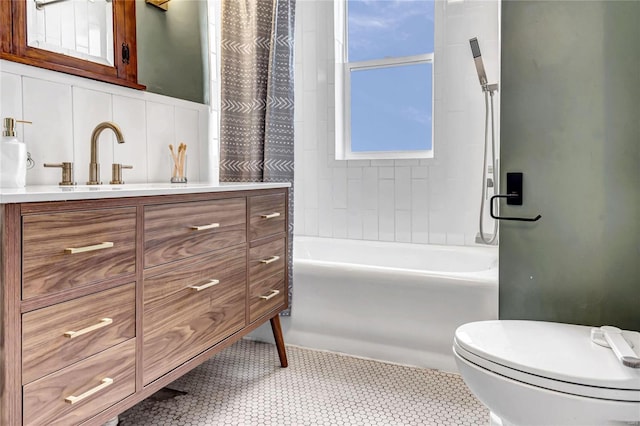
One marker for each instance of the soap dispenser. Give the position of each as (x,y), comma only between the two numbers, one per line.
(13,156)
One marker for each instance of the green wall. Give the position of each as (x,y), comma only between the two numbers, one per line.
(570,102)
(172,49)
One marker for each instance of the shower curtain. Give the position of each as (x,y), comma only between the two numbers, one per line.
(256,89)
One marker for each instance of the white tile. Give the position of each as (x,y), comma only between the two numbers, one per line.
(382,162)
(186,131)
(406,162)
(370,225)
(354,224)
(419,172)
(50,138)
(311,222)
(386,210)
(455,239)
(354,195)
(160,130)
(325,209)
(358,163)
(309,60)
(419,211)
(209,136)
(386,173)
(370,189)
(322,144)
(310,117)
(339,222)
(130,115)
(310,186)
(403,226)
(403,188)
(90,108)
(438,227)
(11,98)
(354,173)
(339,188)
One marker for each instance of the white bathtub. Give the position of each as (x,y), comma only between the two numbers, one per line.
(388,301)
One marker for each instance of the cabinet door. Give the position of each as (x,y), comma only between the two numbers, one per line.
(191,307)
(266,278)
(59,335)
(82,390)
(66,250)
(266,215)
(181,230)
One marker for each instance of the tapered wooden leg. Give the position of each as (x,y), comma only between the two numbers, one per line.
(277,335)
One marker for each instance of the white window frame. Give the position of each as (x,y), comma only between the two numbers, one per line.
(343,69)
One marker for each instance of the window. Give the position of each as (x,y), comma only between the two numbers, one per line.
(384,78)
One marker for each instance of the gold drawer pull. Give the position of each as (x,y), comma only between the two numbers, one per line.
(270,260)
(103,384)
(211,283)
(203,227)
(270,216)
(73,250)
(103,323)
(273,294)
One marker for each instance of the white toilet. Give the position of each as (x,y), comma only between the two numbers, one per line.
(547,374)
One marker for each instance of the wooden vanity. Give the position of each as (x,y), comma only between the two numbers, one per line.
(104,301)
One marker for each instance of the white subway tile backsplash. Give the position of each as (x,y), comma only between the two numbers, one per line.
(50,138)
(11,97)
(129,114)
(91,107)
(160,133)
(186,131)
(370,188)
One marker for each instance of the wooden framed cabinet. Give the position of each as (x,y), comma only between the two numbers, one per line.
(105,301)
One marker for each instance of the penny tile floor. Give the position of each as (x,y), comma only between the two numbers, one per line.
(244,385)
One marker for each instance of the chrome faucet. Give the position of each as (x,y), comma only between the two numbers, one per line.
(94,166)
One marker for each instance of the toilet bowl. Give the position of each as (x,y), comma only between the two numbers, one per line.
(534,373)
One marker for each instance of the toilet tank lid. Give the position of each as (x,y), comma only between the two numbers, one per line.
(553,350)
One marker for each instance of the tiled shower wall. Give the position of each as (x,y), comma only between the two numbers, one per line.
(433,201)
(65,109)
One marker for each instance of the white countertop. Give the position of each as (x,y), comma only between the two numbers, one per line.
(87,192)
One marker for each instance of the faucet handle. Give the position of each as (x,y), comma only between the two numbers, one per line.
(67,172)
(116,173)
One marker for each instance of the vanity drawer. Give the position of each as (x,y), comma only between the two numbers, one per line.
(100,321)
(190,308)
(266,295)
(178,231)
(62,251)
(266,260)
(97,383)
(266,215)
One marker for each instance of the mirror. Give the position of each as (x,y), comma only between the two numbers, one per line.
(100,44)
(78,28)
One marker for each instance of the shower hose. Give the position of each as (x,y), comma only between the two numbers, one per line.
(492,237)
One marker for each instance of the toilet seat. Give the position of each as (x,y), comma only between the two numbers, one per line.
(559,357)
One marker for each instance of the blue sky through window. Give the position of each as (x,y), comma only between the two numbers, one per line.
(391,107)
(388,114)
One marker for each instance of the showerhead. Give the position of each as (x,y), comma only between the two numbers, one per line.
(477,58)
